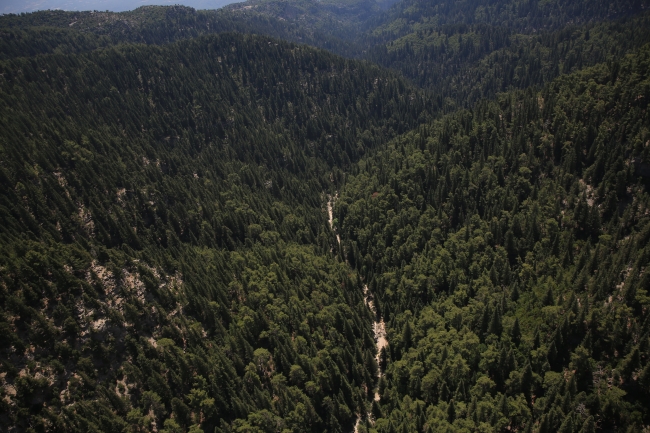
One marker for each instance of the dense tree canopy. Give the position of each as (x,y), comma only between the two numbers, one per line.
(508,247)
(166,259)
(164,253)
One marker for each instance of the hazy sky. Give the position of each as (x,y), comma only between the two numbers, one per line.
(17,6)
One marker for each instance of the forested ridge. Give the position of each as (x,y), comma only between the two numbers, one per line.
(75,32)
(508,248)
(164,250)
(521,15)
(166,260)
(461,57)
(466,63)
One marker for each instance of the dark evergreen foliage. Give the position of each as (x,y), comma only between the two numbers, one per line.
(543,193)
(166,260)
(164,251)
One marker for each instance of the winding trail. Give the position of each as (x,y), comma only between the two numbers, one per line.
(378,326)
(379,329)
(330,212)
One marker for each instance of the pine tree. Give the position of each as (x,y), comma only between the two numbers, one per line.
(451,411)
(515,333)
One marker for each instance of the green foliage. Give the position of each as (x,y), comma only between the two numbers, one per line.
(465,62)
(164,252)
(63,32)
(539,193)
(165,256)
(523,15)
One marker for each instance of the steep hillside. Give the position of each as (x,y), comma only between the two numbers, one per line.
(164,258)
(508,248)
(460,60)
(205,229)
(466,63)
(331,27)
(523,15)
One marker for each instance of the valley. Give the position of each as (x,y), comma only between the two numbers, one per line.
(335,216)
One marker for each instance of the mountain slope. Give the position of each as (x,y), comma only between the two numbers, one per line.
(523,15)
(508,248)
(333,28)
(460,60)
(165,258)
(166,262)
(467,63)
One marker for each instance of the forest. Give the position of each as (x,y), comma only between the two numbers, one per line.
(168,264)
